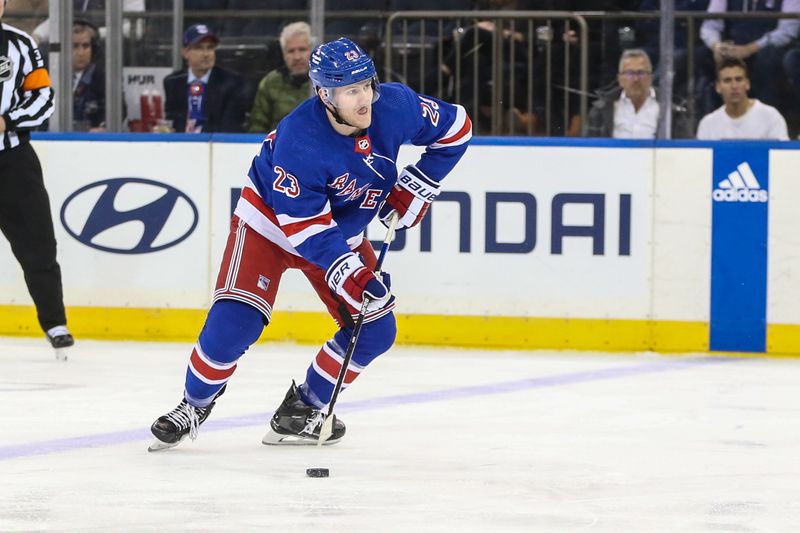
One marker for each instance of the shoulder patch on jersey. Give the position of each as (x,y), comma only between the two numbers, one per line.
(363,145)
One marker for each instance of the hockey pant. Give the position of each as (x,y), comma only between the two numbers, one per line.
(247,285)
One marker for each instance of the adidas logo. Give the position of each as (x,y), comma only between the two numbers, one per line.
(741,185)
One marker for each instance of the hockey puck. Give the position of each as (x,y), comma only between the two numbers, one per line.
(317,472)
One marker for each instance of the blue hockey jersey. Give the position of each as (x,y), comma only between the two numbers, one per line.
(313,191)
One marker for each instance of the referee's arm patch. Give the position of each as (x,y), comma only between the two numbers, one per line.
(38,79)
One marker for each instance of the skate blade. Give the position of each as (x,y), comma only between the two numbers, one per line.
(61,354)
(276,439)
(157,445)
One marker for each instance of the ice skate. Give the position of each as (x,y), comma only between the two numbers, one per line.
(60,339)
(185,420)
(297,423)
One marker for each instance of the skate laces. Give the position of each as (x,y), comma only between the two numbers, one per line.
(185,416)
(313,421)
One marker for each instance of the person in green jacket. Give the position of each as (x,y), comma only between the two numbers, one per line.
(282,89)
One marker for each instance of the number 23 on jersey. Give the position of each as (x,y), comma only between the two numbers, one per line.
(285,183)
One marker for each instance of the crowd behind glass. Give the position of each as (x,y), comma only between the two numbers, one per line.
(452,58)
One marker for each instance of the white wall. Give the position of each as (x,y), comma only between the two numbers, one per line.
(665,275)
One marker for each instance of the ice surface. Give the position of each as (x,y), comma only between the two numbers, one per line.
(437,440)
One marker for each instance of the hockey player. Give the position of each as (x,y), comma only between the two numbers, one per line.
(320,178)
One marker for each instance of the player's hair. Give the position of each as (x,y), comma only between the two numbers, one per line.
(633,52)
(84,26)
(294,29)
(732,62)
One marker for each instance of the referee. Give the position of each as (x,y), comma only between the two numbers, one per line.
(26,100)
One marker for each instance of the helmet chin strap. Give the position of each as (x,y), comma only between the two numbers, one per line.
(339,119)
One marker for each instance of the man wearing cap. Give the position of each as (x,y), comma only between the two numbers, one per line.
(204,98)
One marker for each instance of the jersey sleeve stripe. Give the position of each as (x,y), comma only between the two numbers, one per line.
(34,111)
(259,216)
(459,133)
(255,200)
(296,239)
(294,228)
(287,220)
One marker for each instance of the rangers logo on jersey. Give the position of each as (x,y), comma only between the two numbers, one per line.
(6,68)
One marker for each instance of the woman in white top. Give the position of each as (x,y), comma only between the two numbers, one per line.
(740,117)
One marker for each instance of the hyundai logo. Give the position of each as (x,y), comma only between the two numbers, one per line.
(129,215)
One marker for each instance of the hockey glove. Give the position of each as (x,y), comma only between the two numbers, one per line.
(350,279)
(410,197)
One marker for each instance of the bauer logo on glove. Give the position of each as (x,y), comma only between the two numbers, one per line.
(350,279)
(410,198)
(339,271)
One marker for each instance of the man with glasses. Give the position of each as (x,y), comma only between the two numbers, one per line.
(629,111)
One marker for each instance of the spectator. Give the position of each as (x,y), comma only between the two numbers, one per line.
(465,67)
(761,42)
(740,117)
(281,90)
(203,98)
(629,111)
(89,81)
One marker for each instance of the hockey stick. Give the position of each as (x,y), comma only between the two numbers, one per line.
(326,430)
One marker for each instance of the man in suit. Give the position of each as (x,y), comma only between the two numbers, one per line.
(89,80)
(204,98)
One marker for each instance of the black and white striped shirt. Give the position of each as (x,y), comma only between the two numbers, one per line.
(26,96)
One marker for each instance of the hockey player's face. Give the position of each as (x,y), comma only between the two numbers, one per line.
(354,103)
